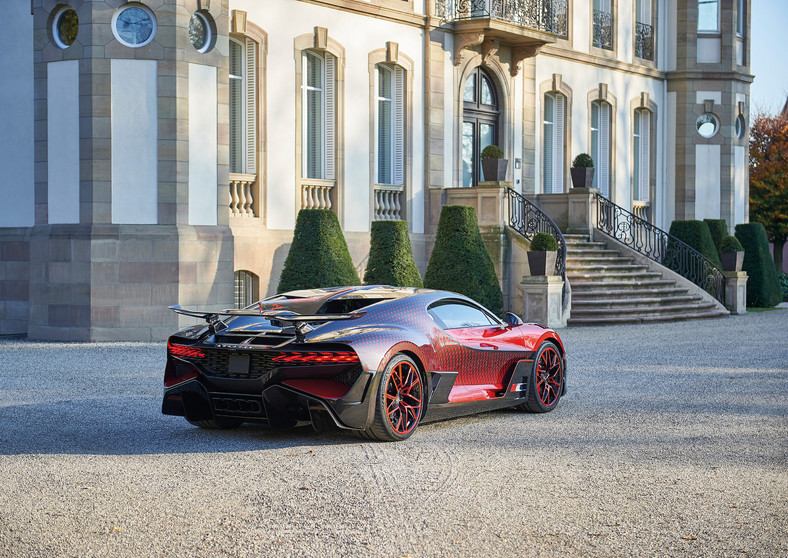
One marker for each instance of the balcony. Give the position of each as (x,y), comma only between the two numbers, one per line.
(644,41)
(541,15)
(603,30)
(524,25)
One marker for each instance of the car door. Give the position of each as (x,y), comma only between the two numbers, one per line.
(486,347)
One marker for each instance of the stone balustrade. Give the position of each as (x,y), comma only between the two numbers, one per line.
(316,194)
(388,206)
(242,202)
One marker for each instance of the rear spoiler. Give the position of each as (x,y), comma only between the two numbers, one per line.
(285,318)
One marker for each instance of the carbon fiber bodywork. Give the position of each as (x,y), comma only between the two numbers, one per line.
(255,368)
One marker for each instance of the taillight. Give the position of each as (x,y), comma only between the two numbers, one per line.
(184,351)
(317,358)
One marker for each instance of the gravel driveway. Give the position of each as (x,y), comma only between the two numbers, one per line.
(673,441)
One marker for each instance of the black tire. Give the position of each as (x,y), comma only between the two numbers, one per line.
(399,403)
(546,381)
(217,424)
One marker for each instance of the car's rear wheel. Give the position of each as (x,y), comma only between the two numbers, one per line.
(217,424)
(546,380)
(400,401)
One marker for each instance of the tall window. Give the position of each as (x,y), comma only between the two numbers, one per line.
(600,145)
(317,91)
(390,124)
(553,143)
(479,123)
(243,106)
(641,173)
(740,19)
(708,16)
(603,24)
(644,31)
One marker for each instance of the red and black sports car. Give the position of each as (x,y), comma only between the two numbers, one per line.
(378,360)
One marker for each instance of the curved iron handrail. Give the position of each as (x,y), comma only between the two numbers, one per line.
(527,219)
(657,245)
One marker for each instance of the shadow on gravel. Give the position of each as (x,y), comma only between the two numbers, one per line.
(133,426)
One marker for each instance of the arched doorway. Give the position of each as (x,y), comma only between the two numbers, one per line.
(480,126)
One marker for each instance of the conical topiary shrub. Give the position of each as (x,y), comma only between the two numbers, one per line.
(718,229)
(763,286)
(318,256)
(390,256)
(460,262)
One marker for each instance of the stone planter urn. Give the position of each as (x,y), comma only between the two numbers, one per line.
(494,169)
(542,263)
(582,177)
(732,261)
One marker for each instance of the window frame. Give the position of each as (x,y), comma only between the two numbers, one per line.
(477,114)
(397,124)
(638,137)
(558,141)
(716,30)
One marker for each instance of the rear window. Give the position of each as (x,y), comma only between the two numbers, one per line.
(345,305)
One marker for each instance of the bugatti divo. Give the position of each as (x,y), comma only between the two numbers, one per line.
(378,360)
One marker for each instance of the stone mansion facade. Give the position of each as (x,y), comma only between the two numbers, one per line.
(157,152)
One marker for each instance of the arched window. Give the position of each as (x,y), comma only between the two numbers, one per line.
(600,145)
(479,123)
(641,163)
(246,288)
(389,124)
(317,90)
(553,143)
(243,106)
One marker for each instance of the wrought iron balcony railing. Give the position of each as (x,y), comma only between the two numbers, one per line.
(543,15)
(657,245)
(603,30)
(644,41)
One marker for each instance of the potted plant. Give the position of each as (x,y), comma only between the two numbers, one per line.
(542,254)
(582,171)
(731,254)
(493,163)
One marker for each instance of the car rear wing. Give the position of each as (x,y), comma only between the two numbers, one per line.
(283,318)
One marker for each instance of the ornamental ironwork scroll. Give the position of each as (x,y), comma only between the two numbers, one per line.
(544,15)
(657,245)
(603,30)
(644,41)
(527,219)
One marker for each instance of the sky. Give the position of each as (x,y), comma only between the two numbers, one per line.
(769,55)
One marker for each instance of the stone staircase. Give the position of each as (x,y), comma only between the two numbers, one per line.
(608,288)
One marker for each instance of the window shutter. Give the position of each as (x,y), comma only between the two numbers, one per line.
(236,106)
(399,125)
(251,107)
(547,145)
(330,115)
(645,16)
(558,145)
(645,149)
(604,149)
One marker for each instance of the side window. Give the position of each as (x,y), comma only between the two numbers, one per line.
(455,315)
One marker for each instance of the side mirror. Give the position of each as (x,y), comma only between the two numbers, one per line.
(513,319)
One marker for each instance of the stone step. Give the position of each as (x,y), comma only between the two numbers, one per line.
(590,257)
(612,267)
(591,252)
(633,301)
(620,319)
(569,237)
(607,277)
(572,246)
(589,292)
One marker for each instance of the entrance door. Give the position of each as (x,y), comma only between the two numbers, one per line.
(479,123)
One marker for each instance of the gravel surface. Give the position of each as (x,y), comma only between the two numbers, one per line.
(672,441)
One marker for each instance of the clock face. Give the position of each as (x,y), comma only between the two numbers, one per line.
(134,26)
(199,32)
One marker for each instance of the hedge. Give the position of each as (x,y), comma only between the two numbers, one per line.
(460,262)
(318,256)
(390,256)
(696,234)
(763,288)
(718,229)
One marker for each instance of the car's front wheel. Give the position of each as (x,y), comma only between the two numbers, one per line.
(546,380)
(400,401)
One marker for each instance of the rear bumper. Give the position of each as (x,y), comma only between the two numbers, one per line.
(277,404)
